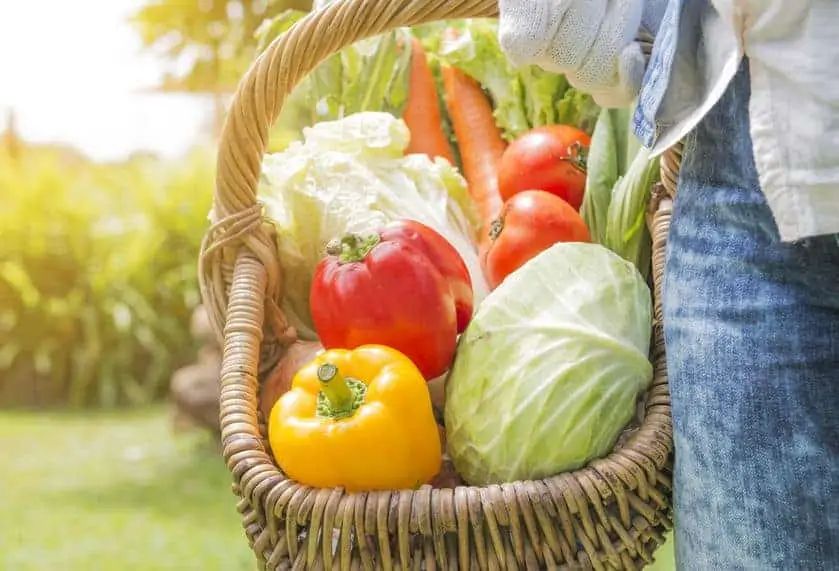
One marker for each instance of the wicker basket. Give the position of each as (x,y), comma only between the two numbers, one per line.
(608,515)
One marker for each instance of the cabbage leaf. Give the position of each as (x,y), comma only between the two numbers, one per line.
(350,175)
(549,371)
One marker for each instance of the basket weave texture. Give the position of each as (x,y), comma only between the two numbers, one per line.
(608,515)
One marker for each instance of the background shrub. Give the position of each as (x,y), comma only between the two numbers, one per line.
(97,275)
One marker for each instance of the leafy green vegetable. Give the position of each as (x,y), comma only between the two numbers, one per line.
(603,165)
(576,108)
(536,82)
(626,231)
(351,175)
(370,75)
(523,98)
(549,370)
(618,185)
(472,46)
(627,144)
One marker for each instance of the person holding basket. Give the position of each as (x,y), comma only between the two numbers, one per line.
(751,290)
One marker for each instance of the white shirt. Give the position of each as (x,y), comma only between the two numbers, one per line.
(793,51)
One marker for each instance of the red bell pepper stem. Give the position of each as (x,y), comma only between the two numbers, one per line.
(352,247)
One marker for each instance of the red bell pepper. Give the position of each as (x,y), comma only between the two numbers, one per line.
(404,286)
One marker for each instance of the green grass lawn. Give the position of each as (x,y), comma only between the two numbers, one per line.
(664,558)
(115,491)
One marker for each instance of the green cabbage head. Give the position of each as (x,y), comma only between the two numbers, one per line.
(549,371)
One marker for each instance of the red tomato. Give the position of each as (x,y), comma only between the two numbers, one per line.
(530,222)
(550,158)
(405,287)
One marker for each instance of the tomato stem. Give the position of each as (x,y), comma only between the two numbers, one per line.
(496,228)
(577,157)
(352,247)
(339,396)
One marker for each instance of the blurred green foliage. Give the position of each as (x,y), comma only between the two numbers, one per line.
(98,275)
(98,262)
(208,44)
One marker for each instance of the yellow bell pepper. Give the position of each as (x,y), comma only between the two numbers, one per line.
(358,419)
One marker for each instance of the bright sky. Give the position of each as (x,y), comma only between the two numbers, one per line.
(73,72)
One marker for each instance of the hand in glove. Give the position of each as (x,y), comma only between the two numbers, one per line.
(591,42)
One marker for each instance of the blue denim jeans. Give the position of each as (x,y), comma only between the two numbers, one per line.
(752,332)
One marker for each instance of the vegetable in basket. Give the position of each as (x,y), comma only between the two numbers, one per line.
(403,286)
(481,144)
(530,222)
(422,111)
(278,381)
(551,158)
(620,179)
(349,176)
(613,148)
(333,89)
(523,98)
(388,73)
(626,230)
(603,172)
(549,370)
(357,419)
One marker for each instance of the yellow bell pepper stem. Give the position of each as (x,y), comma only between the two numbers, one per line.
(341,397)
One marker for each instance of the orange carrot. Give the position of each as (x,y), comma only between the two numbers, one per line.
(479,139)
(422,111)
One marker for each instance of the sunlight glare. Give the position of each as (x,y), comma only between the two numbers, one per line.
(74,74)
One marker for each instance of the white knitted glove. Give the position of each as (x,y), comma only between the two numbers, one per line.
(591,42)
